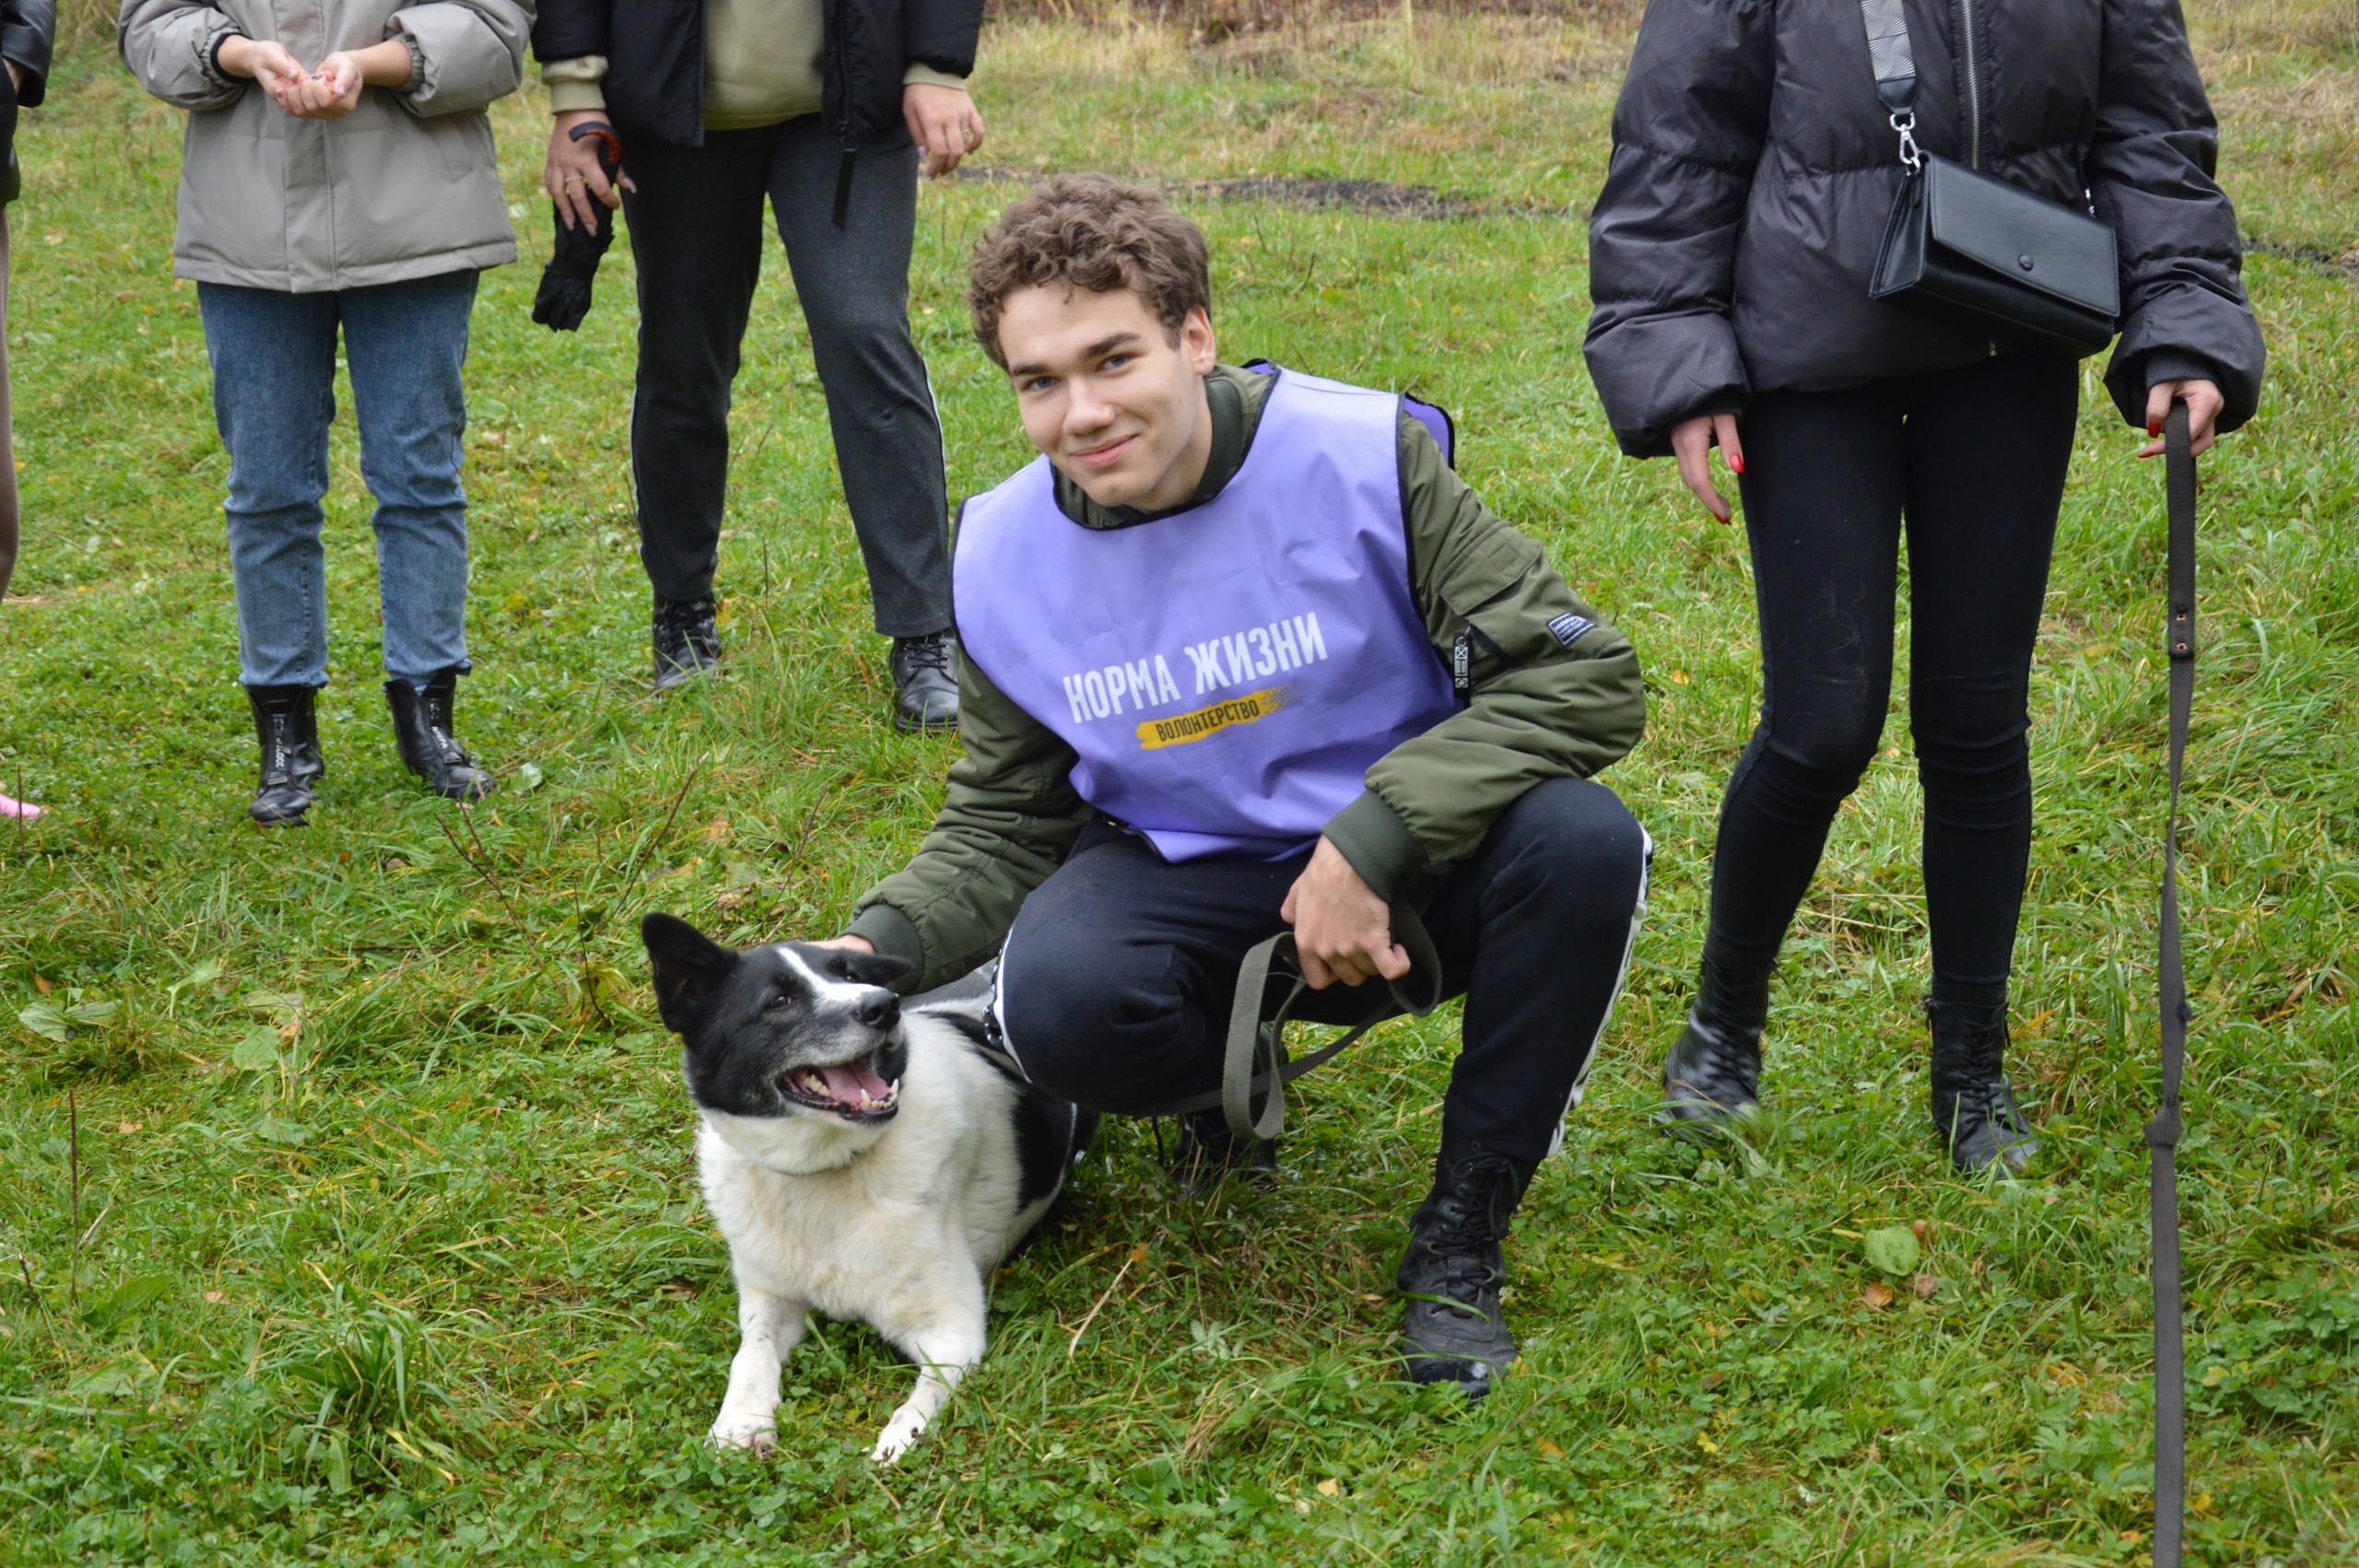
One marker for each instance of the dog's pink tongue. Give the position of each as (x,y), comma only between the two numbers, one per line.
(848,1081)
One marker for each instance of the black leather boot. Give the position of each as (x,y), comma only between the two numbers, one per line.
(287,725)
(422,729)
(1210,1154)
(925,683)
(1454,1271)
(1974,1105)
(687,642)
(1714,1069)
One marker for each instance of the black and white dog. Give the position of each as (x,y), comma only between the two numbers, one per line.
(862,1158)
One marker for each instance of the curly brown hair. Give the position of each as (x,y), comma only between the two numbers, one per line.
(1091,232)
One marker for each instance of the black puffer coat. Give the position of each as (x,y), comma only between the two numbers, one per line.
(654,51)
(1752,170)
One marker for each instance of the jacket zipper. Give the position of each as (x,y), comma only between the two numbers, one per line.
(1973,70)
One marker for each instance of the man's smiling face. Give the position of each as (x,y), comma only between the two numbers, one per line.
(1107,394)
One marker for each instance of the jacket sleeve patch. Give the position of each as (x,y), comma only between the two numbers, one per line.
(1570,628)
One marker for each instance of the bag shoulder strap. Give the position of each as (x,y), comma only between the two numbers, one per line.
(2163,1132)
(1891,54)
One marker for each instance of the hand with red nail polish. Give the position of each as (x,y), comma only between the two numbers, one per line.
(1692,441)
(2203,404)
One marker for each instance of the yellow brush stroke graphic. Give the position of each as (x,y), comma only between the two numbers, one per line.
(1181,728)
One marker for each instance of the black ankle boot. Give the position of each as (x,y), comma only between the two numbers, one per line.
(1974,1105)
(287,725)
(422,729)
(1210,1154)
(1714,1069)
(1452,1331)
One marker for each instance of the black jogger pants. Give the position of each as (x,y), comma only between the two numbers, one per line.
(696,236)
(1972,459)
(1115,982)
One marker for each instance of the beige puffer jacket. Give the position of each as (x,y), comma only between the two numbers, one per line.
(406,186)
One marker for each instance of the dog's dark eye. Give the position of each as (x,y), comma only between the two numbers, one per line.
(778,999)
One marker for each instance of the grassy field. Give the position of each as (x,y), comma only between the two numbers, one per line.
(350,1214)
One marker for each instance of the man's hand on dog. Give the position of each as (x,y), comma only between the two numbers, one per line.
(1343,931)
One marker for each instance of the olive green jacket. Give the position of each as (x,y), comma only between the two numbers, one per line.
(1537,708)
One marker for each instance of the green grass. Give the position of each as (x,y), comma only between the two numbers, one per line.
(363,1227)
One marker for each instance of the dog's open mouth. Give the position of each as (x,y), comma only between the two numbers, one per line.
(853,1090)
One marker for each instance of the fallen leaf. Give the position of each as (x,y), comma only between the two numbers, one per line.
(1329,1487)
(1926,1285)
(1892,1249)
(1549,1450)
(1706,1443)
(258,1052)
(1876,1297)
(43,985)
(128,1127)
(1138,1253)
(1923,1233)
(215,1297)
(1679,677)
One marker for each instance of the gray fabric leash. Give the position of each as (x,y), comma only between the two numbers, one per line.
(2163,1132)
(1255,1061)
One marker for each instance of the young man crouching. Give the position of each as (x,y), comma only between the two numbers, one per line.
(1243,653)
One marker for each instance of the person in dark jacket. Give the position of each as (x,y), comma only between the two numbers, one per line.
(26,29)
(1730,250)
(830,108)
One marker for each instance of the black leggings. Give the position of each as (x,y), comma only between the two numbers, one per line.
(1974,458)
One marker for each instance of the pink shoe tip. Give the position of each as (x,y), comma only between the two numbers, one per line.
(23,810)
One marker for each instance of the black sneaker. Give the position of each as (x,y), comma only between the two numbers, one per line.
(1713,1073)
(1210,1154)
(686,642)
(1974,1105)
(925,684)
(1453,1330)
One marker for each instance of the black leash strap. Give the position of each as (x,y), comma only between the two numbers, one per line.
(1256,1060)
(2162,1133)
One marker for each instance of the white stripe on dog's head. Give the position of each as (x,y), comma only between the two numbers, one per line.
(824,987)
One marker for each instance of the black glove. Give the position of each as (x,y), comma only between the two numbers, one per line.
(564,297)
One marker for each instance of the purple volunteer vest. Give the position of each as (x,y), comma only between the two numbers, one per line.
(1227,674)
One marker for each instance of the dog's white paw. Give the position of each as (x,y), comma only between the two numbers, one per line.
(898,1435)
(759,1434)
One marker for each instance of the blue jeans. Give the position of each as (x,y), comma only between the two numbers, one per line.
(273,395)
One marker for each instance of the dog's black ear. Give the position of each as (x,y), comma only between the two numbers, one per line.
(689,967)
(874,968)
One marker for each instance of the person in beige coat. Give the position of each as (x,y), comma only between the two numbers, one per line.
(339,177)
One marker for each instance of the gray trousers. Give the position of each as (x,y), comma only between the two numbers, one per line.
(695,234)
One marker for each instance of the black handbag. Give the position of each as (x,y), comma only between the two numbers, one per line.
(1975,250)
